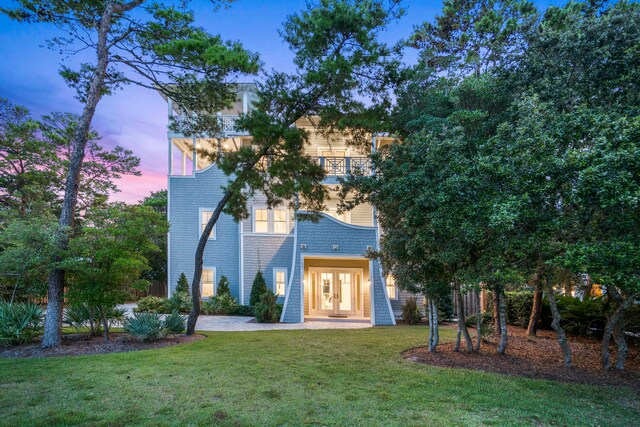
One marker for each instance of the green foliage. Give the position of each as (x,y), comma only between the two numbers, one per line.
(220,305)
(152,304)
(486,324)
(587,317)
(223,286)
(20,322)
(411,314)
(105,263)
(183,285)
(146,327)
(519,308)
(267,309)
(445,307)
(180,302)
(77,316)
(632,319)
(242,310)
(258,288)
(174,323)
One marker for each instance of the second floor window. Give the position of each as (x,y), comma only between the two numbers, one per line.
(261,221)
(205,216)
(267,221)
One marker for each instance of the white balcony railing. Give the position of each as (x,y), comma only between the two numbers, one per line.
(341,166)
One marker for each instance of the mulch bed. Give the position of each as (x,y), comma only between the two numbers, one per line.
(537,357)
(79,344)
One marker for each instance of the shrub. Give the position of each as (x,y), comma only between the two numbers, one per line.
(242,310)
(486,323)
(519,307)
(258,289)
(219,305)
(586,317)
(632,319)
(183,285)
(223,286)
(410,312)
(115,315)
(445,308)
(174,323)
(267,309)
(20,322)
(76,316)
(151,304)
(146,327)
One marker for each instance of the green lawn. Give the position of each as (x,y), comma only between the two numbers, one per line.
(345,377)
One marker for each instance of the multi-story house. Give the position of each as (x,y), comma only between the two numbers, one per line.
(316,269)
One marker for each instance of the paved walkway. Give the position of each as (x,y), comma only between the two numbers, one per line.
(242,323)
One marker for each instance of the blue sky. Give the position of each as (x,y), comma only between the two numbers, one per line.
(135,118)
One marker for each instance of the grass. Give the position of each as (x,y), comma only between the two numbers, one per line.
(346,377)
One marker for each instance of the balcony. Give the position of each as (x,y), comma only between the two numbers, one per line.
(342,166)
(228,125)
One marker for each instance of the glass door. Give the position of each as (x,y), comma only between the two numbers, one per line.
(327,297)
(345,295)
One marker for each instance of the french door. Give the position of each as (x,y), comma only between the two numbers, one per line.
(336,292)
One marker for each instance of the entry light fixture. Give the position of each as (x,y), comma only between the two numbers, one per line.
(336,247)
(303,246)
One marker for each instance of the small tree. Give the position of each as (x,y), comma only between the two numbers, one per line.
(223,286)
(106,261)
(183,284)
(259,287)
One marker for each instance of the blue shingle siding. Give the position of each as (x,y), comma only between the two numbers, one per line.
(320,239)
(265,252)
(186,196)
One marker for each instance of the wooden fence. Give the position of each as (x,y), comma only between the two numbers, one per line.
(470,302)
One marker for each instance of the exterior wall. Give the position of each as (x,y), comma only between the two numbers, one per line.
(266,252)
(396,304)
(319,240)
(186,196)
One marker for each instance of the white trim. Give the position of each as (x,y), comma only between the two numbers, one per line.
(321,148)
(344,224)
(169,236)
(382,279)
(274,283)
(387,287)
(215,226)
(372,295)
(195,154)
(268,235)
(241,244)
(353,270)
(293,271)
(215,279)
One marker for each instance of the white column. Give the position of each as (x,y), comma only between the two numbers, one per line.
(184,163)
(195,154)
(245,102)
(170,157)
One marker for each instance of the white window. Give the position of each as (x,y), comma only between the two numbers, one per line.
(344,216)
(279,281)
(280,221)
(261,221)
(208,282)
(205,216)
(392,288)
(271,221)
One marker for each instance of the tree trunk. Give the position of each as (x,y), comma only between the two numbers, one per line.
(615,328)
(503,323)
(588,288)
(91,325)
(434,336)
(197,274)
(462,326)
(55,295)
(562,337)
(496,310)
(105,324)
(478,323)
(536,307)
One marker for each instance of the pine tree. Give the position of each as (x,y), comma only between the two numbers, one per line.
(259,287)
(223,286)
(183,284)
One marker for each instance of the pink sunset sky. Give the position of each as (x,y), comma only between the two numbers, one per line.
(136,118)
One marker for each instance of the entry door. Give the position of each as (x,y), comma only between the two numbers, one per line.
(337,292)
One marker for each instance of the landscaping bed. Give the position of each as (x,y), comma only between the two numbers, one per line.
(79,344)
(537,357)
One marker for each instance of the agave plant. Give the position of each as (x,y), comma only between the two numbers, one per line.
(146,327)
(76,316)
(20,323)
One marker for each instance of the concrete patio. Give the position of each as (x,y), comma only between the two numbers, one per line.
(242,323)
